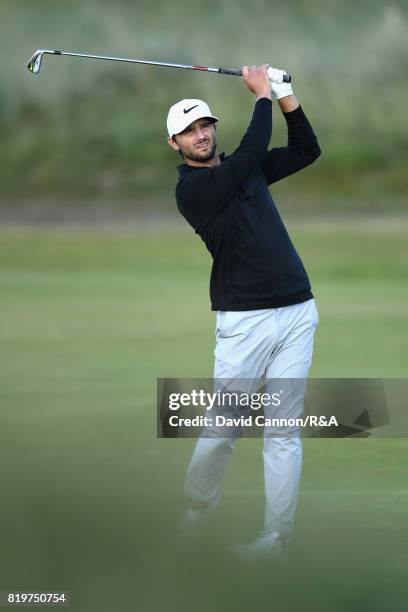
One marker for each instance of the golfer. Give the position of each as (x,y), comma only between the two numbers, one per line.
(266,313)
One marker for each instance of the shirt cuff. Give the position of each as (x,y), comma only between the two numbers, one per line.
(293,116)
(263,100)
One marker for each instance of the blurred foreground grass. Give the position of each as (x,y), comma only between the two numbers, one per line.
(90,497)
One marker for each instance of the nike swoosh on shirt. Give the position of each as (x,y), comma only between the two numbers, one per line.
(185,111)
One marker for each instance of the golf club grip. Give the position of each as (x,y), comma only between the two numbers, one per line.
(233,71)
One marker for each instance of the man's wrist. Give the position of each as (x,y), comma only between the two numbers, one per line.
(265,94)
(288,103)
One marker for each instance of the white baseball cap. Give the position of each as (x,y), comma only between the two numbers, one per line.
(186,111)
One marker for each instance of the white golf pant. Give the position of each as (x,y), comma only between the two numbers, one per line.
(271,343)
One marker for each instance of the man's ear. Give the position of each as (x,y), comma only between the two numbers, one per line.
(172,143)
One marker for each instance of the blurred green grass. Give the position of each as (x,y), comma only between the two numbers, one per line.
(90,497)
(97,129)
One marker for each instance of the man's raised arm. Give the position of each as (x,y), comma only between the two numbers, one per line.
(302,148)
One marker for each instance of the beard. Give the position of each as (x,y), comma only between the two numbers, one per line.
(200,156)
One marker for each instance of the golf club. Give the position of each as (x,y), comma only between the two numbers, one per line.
(34,65)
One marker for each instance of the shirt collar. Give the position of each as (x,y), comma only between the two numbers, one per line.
(184,169)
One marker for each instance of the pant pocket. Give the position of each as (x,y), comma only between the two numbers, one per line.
(316,317)
(219,323)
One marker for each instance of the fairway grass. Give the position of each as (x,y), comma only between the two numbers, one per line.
(90,496)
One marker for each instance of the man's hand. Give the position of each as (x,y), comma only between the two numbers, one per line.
(279,90)
(257,80)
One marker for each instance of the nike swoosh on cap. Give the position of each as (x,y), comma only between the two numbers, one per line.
(185,111)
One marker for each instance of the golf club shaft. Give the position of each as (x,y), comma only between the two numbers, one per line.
(230,71)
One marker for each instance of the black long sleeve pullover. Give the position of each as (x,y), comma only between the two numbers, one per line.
(255,264)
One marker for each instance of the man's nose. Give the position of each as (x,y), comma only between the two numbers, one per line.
(200,133)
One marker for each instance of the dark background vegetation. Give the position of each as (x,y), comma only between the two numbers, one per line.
(96,130)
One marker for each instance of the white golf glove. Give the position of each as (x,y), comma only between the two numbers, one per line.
(279,89)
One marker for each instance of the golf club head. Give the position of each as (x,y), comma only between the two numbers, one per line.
(34,65)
